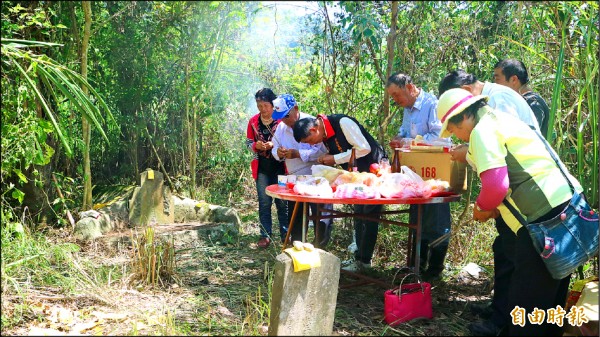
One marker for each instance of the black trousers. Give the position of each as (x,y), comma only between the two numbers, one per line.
(503,249)
(521,279)
(532,287)
(366,232)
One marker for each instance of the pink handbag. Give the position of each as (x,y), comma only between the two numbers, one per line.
(407,302)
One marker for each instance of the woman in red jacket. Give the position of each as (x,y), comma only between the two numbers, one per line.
(265,168)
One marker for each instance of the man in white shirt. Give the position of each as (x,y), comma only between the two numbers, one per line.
(501,98)
(299,158)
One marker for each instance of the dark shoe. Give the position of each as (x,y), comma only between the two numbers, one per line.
(437,255)
(424,256)
(482,310)
(432,274)
(264,242)
(484,328)
(324,235)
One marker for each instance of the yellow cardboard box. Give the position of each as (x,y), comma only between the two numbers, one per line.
(437,165)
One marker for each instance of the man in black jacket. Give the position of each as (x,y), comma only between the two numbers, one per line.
(340,134)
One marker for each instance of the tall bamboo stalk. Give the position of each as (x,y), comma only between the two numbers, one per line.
(555,105)
(86,130)
(591,74)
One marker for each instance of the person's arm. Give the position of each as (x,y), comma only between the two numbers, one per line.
(276,145)
(355,138)
(251,137)
(494,186)
(459,152)
(308,153)
(404,130)
(434,126)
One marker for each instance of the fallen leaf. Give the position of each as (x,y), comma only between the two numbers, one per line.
(110,316)
(81,327)
(64,316)
(37,331)
(224,311)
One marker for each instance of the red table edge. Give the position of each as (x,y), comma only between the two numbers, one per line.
(282,192)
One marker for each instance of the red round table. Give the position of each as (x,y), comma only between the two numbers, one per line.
(413,257)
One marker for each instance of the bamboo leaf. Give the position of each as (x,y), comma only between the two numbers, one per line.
(94,92)
(531,50)
(85,105)
(34,88)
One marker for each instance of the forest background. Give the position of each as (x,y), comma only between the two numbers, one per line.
(93,93)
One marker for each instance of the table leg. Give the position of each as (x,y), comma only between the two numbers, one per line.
(316,218)
(304,221)
(418,239)
(292,218)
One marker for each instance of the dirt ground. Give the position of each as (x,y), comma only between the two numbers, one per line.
(222,289)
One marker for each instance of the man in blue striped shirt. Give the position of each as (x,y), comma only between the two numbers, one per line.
(420,118)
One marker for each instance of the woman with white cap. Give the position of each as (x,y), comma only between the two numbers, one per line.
(513,162)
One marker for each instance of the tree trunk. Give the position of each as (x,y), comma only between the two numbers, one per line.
(87,173)
(191,128)
(391,42)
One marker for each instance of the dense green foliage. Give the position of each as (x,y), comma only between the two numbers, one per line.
(178,77)
(171,87)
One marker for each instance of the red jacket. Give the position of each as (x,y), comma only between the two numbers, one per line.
(252,136)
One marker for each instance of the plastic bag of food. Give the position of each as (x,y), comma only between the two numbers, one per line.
(411,174)
(402,185)
(315,186)
(438,185)
(366,178)
(355,191)
(327,172)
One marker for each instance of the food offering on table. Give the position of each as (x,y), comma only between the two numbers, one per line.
(434,145)
(381,168)
(327,172)
(366,178)
(355,191)
(438,186)
(281,180)
(331,182)
(315,186)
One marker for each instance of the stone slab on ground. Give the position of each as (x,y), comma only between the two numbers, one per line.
(303,303)
(151,202)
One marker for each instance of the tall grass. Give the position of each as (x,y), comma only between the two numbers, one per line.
(556,92)
(32,266)
(153,262)
(589,60)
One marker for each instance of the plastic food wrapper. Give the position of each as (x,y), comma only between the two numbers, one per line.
(437,185)
(315,186)
(365,178)
(327,172)
(445,142)
(356,191)
(406,184)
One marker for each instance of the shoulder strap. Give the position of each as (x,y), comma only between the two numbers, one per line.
(514,212)
(558,163)
(512,209)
